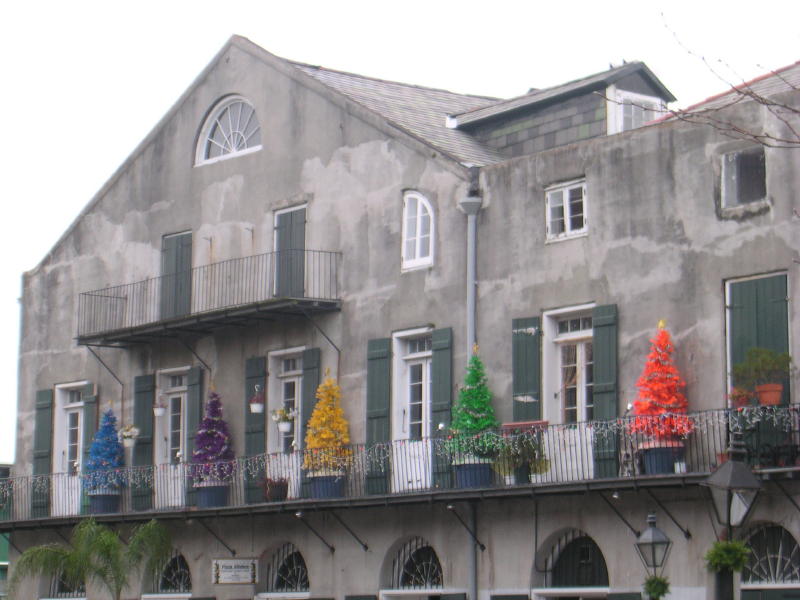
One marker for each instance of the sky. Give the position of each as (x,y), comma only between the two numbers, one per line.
(85,82)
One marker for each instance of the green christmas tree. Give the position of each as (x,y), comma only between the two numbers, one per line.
(473,413)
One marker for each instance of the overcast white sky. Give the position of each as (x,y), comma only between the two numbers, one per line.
(84,82)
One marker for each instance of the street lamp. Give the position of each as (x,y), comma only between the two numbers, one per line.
(653,545)
(733,487)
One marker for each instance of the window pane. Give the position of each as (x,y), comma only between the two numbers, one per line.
(576,208)
(752,176)
(424,246)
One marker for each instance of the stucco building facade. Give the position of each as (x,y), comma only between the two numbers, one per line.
(283,222)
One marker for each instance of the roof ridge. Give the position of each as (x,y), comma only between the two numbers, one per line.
(378,79)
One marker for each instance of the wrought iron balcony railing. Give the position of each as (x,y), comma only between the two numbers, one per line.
(533,455)
(309,277)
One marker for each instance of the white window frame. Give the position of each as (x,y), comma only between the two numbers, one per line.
(552,405)
(568,232)
(415,260)
(60,439)
(275,396)
(401,413)
(731,158)
(615,108)
(205,130)
(162,424)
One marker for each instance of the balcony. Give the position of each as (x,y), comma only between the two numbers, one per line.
(237,292)
(532,458)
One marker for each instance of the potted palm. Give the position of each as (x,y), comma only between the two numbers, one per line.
(763,371)
(327,451)
(212,457)
(102,474)
(472,443)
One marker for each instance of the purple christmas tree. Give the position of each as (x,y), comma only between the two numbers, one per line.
(213,454)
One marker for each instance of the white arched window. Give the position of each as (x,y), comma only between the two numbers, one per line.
(417,231)
(231,129)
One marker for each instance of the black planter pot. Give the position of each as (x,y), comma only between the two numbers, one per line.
(276,491)
(327,486)
(473,475)
(209,496)
(661,460)
(103,503)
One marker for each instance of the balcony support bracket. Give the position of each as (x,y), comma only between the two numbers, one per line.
(219,539)
(325,335)
(299,515)
(105,366)
(787,494)
(685,531)
(474,537)
(350,531)
(619,514)
(190,349)
(10,543)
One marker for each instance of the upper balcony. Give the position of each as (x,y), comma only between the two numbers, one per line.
(233,292)
(525,459)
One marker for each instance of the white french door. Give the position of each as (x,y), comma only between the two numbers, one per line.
(170,482)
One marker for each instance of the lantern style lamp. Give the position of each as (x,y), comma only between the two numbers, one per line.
(733,487)
(653,546)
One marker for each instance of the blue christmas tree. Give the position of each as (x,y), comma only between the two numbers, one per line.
(106,456)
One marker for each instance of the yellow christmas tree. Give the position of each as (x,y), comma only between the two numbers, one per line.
(328,432)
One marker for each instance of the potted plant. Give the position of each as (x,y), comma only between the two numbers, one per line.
(472,444)
(763,371)
(656,587)
(212,457)
(284,418)
(326,453)
(659,412)
(102,473)
(522,454)
(741,397)
(159,408)
(724,558)
(257,401)
(128,435)
(275,489)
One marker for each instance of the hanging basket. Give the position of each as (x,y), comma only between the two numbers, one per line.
(256,407)
(284,426)
(128,442)
(159,411)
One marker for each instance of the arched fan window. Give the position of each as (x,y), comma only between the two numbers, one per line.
(775,556)
(175,577)
(575,560)
(287,571)
(59,588)
(232,129)
(416,566)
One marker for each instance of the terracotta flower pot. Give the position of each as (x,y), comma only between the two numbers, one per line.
(769,394)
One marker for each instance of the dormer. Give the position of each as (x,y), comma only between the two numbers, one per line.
(613,101)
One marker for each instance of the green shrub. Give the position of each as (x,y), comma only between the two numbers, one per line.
(727,555)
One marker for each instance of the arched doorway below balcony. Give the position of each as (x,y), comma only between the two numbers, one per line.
(773,571)
(573,568)
(416,574)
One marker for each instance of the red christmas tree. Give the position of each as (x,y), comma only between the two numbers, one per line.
(660,407)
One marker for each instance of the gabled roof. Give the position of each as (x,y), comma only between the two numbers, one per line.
(781,80)
(420,111)
(585,84)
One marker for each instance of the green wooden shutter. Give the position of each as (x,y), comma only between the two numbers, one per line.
(144,387)
(194,414)
(290,244)
(311,380)
(176,275)
(526,361)
(379,385)
(255,373)
(441,399)
(759,317)
(42,453)
(89,423)
(604,343)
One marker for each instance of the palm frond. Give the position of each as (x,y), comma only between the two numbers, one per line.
(51,559)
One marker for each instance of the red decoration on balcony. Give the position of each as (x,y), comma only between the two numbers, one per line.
(660,408)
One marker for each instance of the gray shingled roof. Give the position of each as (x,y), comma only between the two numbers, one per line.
(420,111)
(544,95)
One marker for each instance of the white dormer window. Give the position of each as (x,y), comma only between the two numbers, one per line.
(628,110)
(418,228)
(231,129)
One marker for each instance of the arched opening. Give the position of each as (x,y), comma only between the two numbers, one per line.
(413,571)
(175,577)
(287,572)
(573,561)
(232,128)
(774,557)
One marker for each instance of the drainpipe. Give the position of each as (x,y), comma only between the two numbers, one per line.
(472,564)
(470,206)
